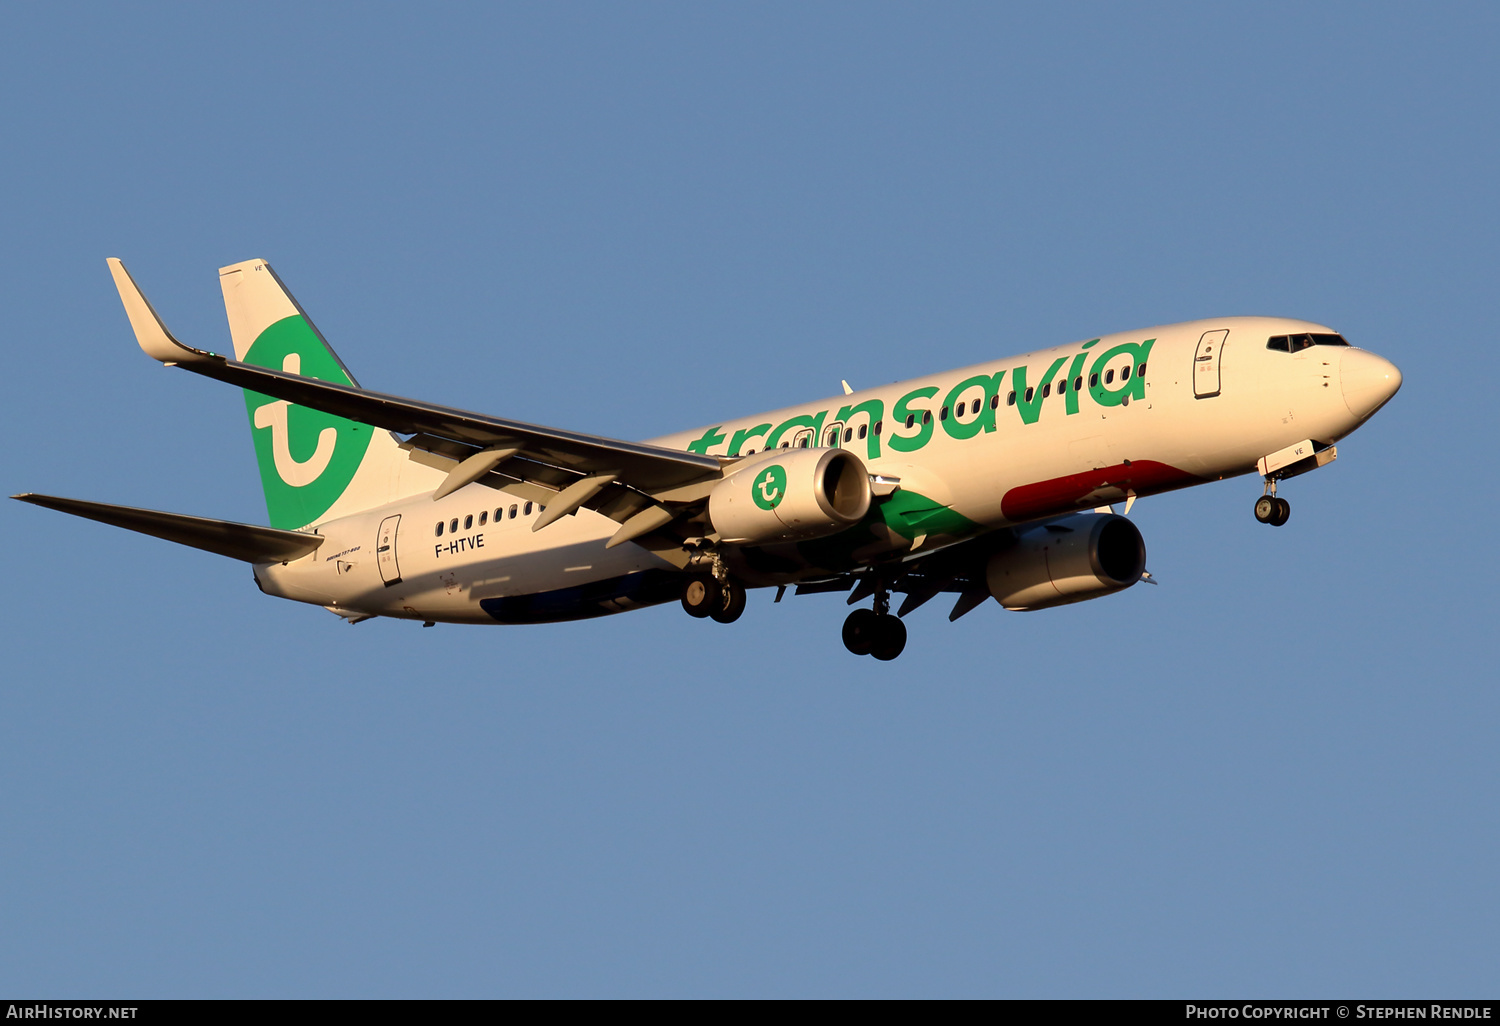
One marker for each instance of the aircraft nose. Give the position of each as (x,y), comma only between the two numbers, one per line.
(1368,381)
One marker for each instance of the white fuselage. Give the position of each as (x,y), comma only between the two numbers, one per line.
(1213,399)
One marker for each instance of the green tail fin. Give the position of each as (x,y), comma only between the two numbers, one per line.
(313,465)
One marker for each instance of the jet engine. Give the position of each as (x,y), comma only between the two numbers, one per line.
(791,495)
(1071,559)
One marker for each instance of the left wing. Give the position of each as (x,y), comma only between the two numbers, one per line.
(643,487)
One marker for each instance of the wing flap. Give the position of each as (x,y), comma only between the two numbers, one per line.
(221,537)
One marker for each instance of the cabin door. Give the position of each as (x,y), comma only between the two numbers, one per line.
(1206,363)
(385,551)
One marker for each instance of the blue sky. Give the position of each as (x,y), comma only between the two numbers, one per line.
(1273,775)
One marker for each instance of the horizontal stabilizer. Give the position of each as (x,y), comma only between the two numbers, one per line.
(222,537)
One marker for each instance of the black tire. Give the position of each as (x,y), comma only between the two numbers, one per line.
(701,596)
(1266,508)
(890,638)
(731,604)
(860,630)
(1283,513)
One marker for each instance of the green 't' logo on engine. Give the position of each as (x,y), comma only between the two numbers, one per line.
(307,458)
(769,487)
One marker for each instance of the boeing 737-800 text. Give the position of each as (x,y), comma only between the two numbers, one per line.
(992,481)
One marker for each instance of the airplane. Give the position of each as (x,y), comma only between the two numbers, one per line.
(995,481)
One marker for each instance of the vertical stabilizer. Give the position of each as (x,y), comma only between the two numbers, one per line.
(314,466)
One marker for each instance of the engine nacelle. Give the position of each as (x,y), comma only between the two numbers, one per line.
(791,495)
(1071,559)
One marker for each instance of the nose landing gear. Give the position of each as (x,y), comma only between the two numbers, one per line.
(875,631)
(1301,458)
(1269,509)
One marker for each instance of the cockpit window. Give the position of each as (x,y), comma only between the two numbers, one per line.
(1297,343)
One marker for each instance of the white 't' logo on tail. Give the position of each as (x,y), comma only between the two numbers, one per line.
(273,415)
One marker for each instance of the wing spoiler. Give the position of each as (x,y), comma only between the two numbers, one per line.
(222,537)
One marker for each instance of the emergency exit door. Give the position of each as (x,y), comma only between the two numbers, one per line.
(385,551)
(1206,363)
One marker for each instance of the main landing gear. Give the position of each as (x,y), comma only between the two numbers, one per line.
(875,631)
(707,596)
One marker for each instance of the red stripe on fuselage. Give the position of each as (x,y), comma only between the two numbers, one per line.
(1080,491)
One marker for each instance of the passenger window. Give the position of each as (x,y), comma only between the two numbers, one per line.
(513,512)
(1278,343)
(528,509)
(453,527)
(863,430)
(943,413)
(439,532)
(1093,380)
(911,419)
(1078,383)
(1125,374)
(995,401)
(1062,387)
(1109,377)
(1010,400)
(1140,371)
(749,452)
(877,426)
(1046,390)
(849,433)
(484,517)
(468,521)
(958,411)
(1029,393)
(927,416)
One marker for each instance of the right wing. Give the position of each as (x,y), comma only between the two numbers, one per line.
(643,487)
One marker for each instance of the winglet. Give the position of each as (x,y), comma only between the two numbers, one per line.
(150,332)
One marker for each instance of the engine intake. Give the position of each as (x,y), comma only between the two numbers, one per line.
(791,495)
(1071,559)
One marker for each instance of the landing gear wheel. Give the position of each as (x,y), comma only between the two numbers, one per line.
(701,596)
(860,631)
(731,604)
(890,637)
(1266,508)
(1283,512)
